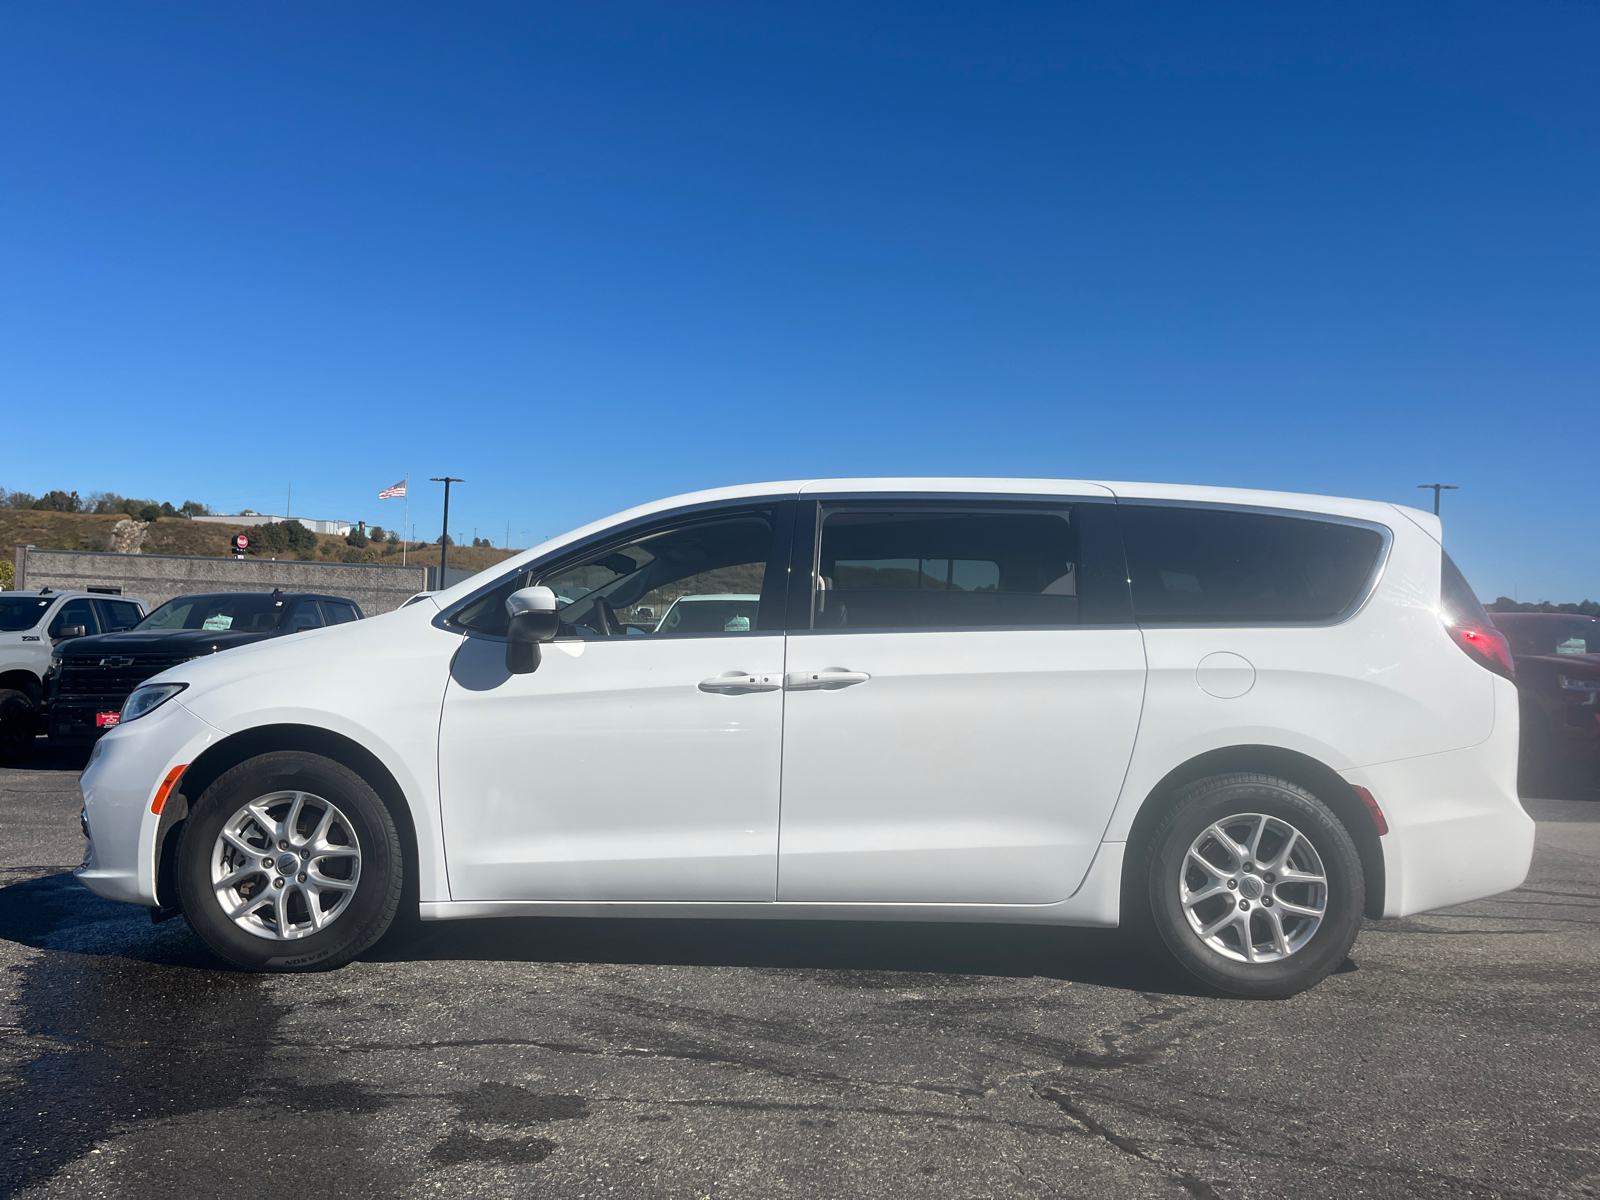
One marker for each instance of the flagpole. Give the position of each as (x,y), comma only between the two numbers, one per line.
(405,521)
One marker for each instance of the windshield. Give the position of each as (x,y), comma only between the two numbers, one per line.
(1541,635)
(21,612)
(251,612)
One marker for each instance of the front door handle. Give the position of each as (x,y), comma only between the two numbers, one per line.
(736,683)
(827,679)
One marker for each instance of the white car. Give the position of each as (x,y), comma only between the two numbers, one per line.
(1236,720)
(32,624)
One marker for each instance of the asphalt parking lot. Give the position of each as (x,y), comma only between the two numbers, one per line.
(1455,1055)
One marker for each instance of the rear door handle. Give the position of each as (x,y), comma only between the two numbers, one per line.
(827,679)
(736,683)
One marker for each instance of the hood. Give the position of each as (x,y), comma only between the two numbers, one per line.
(158,643)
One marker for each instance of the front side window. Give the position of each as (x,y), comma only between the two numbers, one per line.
(1201,565)
(75,612)
(947,569)
(699,578)
(306,616)
(118,615)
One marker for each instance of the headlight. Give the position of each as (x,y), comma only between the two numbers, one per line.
(148,698)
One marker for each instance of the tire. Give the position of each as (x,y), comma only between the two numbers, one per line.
(19,725)
(1302,915)
(306,911)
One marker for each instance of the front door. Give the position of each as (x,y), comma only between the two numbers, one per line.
(962,704)
(636,763)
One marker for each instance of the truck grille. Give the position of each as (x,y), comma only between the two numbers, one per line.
(89,680)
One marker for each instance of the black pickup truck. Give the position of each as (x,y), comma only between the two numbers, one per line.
(90,677)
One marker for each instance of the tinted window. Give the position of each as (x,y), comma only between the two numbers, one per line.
(75,612)
(306,616)
(942,569)
(625,589)
(21,612)
(119,614)
(338,613)
(1202,565)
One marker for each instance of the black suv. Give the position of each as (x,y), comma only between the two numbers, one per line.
(90,677)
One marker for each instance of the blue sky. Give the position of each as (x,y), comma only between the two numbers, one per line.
(589,255)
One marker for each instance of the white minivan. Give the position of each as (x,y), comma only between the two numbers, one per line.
(1236,721)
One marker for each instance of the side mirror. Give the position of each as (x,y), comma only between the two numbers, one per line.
(533,620)
(71,631)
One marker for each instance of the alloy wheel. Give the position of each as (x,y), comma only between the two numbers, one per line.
(286,865)
(1253,888)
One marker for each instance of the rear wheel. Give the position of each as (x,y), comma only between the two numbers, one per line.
(289,862)
(1254,886)
(19,724)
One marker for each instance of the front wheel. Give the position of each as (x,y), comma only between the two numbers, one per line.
(1254,885)
(19,723)
(289,862)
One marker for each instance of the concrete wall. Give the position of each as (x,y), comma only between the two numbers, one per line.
(157,578)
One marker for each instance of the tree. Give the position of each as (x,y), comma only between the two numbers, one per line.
(58,501)
(394,538)
(193,508)
(150,512)
(15,499)
(445,540)
(378,534)
(283,537)
(357,539)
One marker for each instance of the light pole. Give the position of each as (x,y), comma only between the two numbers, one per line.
(444,542)
(1437,489)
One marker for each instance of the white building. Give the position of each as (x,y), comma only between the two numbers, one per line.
(338,527)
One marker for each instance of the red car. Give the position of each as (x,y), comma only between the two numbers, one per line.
(1557,656)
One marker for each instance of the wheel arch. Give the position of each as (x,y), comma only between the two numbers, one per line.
(263,739)
(24,681)
(1316,777)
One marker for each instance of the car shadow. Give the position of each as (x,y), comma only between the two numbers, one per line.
(55,912)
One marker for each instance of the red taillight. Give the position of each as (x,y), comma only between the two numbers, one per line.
(1487,645)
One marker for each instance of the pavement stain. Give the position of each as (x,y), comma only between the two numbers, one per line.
(128,1045)
(507,1104)
(463,1147)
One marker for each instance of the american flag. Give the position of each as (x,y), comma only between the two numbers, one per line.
(393,493)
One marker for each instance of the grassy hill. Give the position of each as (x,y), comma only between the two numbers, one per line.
(175,535)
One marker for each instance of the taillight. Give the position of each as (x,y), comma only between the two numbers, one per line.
(1485,644)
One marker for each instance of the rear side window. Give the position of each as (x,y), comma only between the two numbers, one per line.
(1200,565)
(947,569)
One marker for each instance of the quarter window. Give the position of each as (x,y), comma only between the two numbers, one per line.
(947,569)
(1199,565)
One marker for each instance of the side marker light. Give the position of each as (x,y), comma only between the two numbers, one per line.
(1372,807)
(171,781)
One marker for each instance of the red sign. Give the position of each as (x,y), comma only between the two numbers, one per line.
(107,719)
(241,543)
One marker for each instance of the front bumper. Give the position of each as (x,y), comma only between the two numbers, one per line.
(76,720)
(119,785)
